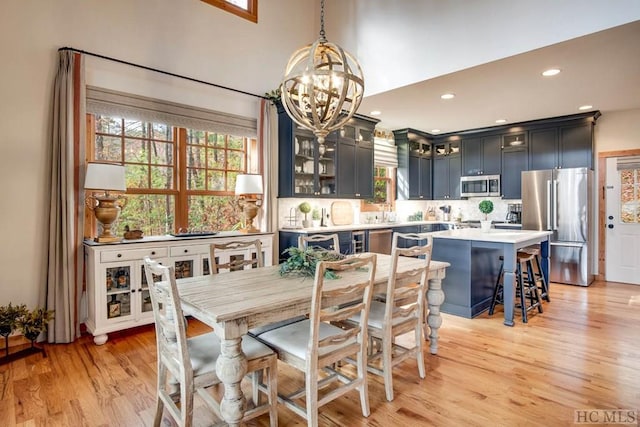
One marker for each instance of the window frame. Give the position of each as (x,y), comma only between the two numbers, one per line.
(180,191)
(250,14)
(391,191)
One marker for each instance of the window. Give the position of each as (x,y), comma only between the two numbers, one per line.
(177,178)
(247,9)
(383,190)
(630,196)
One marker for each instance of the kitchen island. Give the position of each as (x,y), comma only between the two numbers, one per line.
(474,258)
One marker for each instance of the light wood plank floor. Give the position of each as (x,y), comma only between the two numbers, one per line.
(582,352)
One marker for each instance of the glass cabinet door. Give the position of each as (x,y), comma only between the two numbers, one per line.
(118,280)
(314,165)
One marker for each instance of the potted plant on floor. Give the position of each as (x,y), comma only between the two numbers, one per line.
(486,207)
(33,323)
(9,318)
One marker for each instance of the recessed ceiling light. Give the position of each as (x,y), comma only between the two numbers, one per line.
(376,113)
(448,96)
(435,130)
(551,72)
(501,121)
(585,107)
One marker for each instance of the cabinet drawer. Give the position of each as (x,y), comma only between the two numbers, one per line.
(177,251)
(132,254)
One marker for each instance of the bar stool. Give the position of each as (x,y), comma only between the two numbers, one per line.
(526,288)
(543,286)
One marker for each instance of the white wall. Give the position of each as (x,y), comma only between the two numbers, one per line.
(402,42)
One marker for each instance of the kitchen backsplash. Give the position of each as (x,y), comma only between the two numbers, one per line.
(289,215)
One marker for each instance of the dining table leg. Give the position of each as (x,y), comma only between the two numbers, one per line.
(231,367)
(435,298)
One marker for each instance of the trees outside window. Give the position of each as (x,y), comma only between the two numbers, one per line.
(176,178)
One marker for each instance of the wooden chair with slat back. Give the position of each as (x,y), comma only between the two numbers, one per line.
(326,241)
(190,363)
(402,311)
(236,262)
(315,346)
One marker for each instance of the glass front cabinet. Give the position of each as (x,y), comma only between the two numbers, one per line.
(117,290)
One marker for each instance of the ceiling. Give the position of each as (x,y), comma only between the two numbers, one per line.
(601,69)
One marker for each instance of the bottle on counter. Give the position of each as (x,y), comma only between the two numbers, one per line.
(459,216)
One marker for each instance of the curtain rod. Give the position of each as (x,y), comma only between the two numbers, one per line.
(144,67)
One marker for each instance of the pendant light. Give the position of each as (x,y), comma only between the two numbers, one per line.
(323,85)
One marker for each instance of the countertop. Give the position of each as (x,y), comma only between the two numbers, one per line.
(493,235)
(176,238)
(350,227)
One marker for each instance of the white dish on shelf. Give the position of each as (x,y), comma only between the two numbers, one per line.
(308,167)
(297,145)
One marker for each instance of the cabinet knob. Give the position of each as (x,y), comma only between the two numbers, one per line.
(119,255)
(186,251)
(133,291)
(153,252)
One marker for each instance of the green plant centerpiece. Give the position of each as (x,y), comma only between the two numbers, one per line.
(302,262)
(486,207)
(305,208)
(34,322)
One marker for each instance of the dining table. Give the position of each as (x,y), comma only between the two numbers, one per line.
(234,302)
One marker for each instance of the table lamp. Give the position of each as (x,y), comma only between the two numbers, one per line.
(105,178)
(248,188)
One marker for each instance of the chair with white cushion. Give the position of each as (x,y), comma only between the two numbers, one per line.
(315,346)
(402,311)
(327,241)
(188,365)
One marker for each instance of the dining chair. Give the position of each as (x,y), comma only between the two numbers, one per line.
(401,312)
(236,262)
(188,365)
(326,241)
(315,346)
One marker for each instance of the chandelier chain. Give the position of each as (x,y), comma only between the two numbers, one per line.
(322,33)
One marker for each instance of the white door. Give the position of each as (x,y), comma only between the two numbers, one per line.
(622,198)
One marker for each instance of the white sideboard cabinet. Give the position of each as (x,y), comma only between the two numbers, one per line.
(117,291)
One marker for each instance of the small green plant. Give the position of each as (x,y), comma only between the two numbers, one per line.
(10,316)
(305,208)
(302,262)
(315,214)
(486,207)
(34,322)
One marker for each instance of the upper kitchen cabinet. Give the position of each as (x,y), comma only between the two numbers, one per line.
(355,159)
(447,169)
(515,156)
(481,155)
(563,144)
(414,165)
(306,168)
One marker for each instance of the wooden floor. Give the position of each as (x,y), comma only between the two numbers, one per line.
(583,352)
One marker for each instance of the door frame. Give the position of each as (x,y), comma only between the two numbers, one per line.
(602,180)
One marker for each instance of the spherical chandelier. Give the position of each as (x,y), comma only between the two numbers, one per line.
(323,85)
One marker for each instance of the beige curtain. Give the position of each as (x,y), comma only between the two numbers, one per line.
(65,260)
(268,139)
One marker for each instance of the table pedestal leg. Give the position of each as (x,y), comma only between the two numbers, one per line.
(231,367)
(435,298)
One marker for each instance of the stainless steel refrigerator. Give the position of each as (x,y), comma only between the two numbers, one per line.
(559,200)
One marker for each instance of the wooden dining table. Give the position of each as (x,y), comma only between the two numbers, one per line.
(233,303)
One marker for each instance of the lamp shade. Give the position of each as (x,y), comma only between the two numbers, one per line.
(248,184)
(105,176)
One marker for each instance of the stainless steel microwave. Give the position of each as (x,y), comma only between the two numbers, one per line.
(480,185)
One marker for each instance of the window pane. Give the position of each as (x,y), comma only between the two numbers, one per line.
(235,160)
(195,156)
(134,151)
(195,137)
(215,140)
(215,158)
(161,153)
(630,196)
(162,132)
(161,177)
(152,213)
(137,176)
(135,128)
(108,148)
(196,179)
(214,213)
(236,143)
(240,3)
(112,125)
(216,180)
